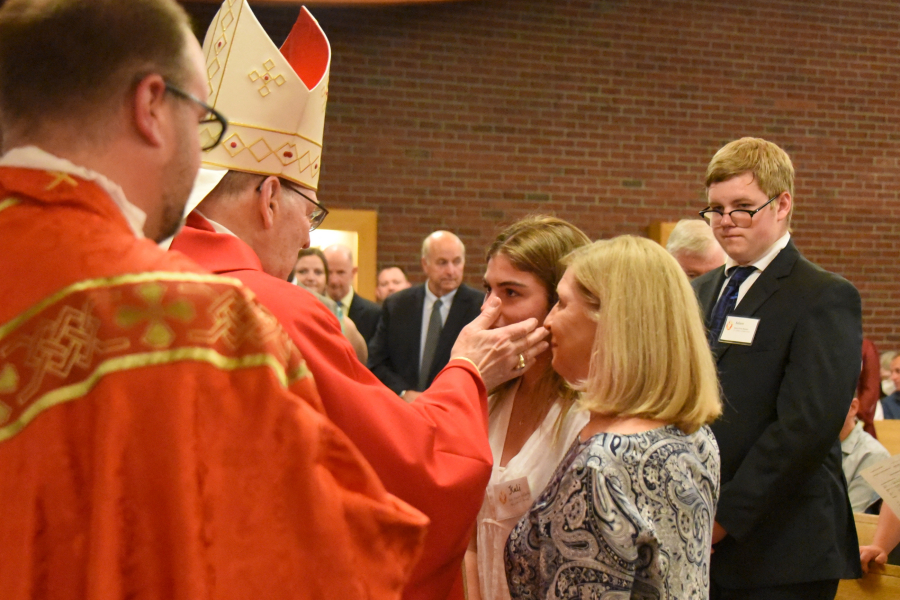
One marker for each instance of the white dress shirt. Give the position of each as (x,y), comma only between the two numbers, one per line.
(761,263)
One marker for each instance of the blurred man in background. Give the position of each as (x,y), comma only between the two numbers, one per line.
(694,246)
(390,279)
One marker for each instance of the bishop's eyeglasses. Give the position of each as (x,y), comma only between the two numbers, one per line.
(319,212)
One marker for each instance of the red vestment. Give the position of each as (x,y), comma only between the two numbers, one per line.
(160,437)
(433,453)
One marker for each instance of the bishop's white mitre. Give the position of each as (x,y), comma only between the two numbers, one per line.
(274,99)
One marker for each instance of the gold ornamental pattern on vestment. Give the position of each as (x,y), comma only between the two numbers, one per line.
(62,347)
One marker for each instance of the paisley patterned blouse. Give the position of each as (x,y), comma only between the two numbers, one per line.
(624,516)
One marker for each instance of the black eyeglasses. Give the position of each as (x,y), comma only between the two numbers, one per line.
(212,126)
(319,212)
(741,217)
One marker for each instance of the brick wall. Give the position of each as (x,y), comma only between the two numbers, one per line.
(467,116)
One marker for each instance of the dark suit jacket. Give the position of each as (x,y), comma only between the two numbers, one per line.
(784,499)
(364,314)
(394,351)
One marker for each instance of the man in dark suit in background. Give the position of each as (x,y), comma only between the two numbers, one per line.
(364,313)
(419,325)
(787,337)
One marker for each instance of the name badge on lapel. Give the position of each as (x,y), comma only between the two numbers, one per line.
(512,498)
(739,330)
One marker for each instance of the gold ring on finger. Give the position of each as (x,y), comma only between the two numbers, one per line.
(521,364)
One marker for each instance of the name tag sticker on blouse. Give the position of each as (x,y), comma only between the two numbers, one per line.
(739,330)
(512,498)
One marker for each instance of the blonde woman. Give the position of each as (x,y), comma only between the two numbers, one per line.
(629,511)
(531,419)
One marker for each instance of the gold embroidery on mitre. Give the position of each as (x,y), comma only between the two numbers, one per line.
(228,17)
(223,28)
(291,134)
(240,83)
(260,149)
(287,153)
(266,77)
(220,45)
(211,71)
(306,161)
(206,135)
(234,144)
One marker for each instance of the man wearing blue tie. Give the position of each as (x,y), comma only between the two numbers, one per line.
(786,336)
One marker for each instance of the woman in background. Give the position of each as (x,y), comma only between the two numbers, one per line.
(311,271)
(629,512)
(531,421)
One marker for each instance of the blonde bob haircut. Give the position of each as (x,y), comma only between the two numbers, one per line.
(650,357)
(770,166)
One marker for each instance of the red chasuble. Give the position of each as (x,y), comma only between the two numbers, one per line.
(160,437)
(433,453)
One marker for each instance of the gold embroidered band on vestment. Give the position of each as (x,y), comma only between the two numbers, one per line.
(63,346)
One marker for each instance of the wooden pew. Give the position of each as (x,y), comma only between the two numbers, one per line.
(865,531)
(881,582)
(888,432)
(865,527)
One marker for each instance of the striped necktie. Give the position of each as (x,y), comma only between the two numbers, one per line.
(727,302)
